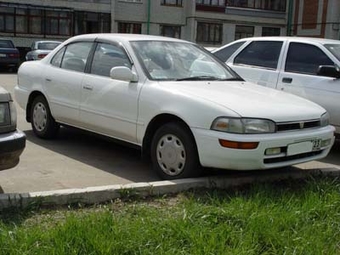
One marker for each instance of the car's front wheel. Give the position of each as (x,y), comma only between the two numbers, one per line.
(43,124)
(173,152)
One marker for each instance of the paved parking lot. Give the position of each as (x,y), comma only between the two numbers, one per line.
(78,159)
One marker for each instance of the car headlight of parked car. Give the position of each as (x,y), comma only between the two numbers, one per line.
(243,125)
(324,120)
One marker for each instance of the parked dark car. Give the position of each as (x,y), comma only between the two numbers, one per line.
(12,141)
(40,49)
(9,55)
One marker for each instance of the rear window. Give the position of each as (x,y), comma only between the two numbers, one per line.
(226,52)
(6,44)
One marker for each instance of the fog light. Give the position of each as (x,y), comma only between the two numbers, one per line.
(325,143)
(273,151)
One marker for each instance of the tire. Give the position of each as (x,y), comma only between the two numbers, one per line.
(43,124)
(174,153)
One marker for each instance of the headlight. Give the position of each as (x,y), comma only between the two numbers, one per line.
(324,120)
(243,125)
(5,118)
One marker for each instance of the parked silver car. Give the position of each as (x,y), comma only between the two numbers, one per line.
(12,141)
(40,49)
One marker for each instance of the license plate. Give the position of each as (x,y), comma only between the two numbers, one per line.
(304,147)
(2,55)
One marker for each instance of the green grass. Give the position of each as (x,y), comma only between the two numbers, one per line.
(290,217)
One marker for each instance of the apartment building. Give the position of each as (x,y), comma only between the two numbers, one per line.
(314,18)
(207,22)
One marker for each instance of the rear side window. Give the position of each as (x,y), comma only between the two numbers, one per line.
(260,53)
(56,60)
(305,58)
(225,53)
(76,55)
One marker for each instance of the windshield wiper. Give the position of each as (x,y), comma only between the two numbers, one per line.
(234,79)
(200,78)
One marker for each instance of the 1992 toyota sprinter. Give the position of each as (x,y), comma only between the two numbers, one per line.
(174,100)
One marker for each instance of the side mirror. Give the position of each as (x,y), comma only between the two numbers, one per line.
(123,73)
(329,71)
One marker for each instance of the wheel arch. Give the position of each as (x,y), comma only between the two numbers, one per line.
(30,100)
(156,123)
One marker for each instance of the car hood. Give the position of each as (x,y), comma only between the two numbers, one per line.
(250,100)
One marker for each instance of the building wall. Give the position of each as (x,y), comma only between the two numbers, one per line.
(187,17)
(316,18)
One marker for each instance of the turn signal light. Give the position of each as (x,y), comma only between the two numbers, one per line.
(238,145)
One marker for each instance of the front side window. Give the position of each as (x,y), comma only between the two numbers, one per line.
(106,57)
(178,61)
(225,53)
(260,53)
(305,58)
(209,33)
(75,56)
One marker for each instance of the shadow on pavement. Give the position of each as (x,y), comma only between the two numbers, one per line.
(98,152)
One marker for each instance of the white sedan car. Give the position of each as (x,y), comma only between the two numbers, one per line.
(172,99)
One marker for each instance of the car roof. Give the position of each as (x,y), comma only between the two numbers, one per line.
(124,37)
(292,38)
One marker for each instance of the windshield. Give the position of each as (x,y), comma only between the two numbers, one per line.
(47,46)
(334,49)
(163,60)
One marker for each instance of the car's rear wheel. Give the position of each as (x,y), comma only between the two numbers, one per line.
(43,124)
(173,152)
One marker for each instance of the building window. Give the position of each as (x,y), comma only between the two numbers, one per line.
(171,31)
(6,19)
(171,2)
(129,28)
(209,33)
(58,23)
(270,31)
(92,22)
(244,32)
(211,2)
(272,5)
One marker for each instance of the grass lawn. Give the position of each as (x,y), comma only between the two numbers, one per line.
(289,217)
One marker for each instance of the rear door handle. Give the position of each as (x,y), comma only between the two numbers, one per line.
(287,80)
(48,79)
(88,87)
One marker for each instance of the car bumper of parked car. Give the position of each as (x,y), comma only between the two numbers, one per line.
(9,62)
(11,146)
(273,150)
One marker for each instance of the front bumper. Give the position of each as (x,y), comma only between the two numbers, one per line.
(212,154)
(11,146)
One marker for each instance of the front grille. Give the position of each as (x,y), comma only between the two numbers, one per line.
(299,125)
(294,157)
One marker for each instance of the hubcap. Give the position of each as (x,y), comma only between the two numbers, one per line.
(39,116)
(171,155)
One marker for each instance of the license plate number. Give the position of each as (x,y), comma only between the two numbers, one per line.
(304,147)
(2,55)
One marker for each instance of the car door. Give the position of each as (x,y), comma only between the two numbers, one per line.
(63,79)
(109,106)
(258,62)
(299,77)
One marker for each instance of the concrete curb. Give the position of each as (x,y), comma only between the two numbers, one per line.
(93,195)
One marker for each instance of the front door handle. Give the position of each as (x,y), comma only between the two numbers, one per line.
(287,80)
(88,87)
